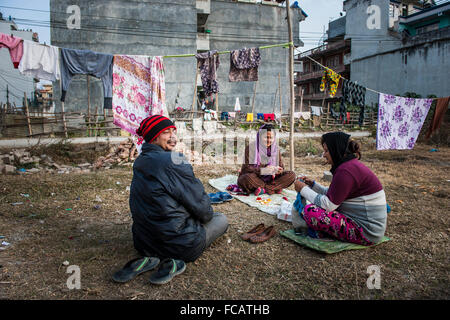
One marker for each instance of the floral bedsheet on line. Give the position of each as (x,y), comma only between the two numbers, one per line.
(400,121)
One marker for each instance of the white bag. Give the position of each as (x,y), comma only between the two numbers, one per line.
(285,212)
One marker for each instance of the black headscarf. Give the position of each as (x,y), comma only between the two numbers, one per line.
(337,144)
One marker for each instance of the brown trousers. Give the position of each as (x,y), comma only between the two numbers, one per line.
(249,182)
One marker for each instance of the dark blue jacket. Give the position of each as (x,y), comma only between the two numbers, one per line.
(168,205)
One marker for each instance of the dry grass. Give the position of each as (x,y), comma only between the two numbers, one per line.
(414,265)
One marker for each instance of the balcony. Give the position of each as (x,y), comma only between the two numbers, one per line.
(324,49)
(308,75)
(203,41)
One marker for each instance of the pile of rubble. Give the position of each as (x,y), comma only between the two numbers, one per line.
(18,159)
(124,154)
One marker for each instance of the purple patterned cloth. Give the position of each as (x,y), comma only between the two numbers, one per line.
(208,62)
(400,121)
(244,65)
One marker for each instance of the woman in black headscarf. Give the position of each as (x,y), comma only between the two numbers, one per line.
(355,192)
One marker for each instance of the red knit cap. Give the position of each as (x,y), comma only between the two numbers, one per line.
(152,127)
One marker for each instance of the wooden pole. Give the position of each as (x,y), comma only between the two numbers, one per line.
(104,118)
(62,112)
(281,99)
(27,113)
(195,91)
(291,86)
(254,95)
(96,120)
(88,103)
(217,105)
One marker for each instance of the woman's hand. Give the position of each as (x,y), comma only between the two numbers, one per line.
(299,185)
(280,170)
(308,181)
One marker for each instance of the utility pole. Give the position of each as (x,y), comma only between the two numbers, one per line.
(7,96)
(291,86)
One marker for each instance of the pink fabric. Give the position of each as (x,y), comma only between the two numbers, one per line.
(268,116)
(15,46)
(334,224)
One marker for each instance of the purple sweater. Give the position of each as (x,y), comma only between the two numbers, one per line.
(352,179)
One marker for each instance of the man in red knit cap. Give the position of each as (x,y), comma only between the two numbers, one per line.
(172,215)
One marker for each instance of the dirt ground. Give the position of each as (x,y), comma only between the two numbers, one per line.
(57,222)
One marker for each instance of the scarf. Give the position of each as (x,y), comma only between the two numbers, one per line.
(270,156)
(337,143)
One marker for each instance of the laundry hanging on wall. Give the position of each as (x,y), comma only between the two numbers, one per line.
(138,91)
(14,45)
(244,64)
(99,65)
(208,62)
(400,121)
(40,61)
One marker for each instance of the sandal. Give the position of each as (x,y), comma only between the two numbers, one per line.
(258,229)
(263,236)
(134,268)
(168,269)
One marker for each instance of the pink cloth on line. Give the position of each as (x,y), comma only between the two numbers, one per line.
(268,116)
(15,46)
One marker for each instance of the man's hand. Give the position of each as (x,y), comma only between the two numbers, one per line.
(299,185)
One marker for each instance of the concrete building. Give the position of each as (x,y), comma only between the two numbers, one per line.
(395,54)
(333,54)
(174,27)
(12,83)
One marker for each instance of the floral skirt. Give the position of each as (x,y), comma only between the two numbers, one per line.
(334,224)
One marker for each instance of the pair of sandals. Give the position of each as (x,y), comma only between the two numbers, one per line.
(167,269)
(259,234)
(220,197)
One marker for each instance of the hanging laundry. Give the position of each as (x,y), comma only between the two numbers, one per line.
(213,114)
(269,116)
(260,116)
(224,116)
(439,114)
(237,105)
(208,62)
(353,94)
(207,115)
(330,79)
(138,90)
(305,115)
(244,64)
(40,61)
(15,47)
(95,64)
(249,117)
(316,111)
(400,121)
(232,114)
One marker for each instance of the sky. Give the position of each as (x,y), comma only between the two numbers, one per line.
(320,12)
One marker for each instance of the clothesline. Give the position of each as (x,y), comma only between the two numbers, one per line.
(348,79)
(286,45)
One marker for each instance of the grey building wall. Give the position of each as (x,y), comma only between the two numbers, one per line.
(252,25)
(380,61)
(125,27)
(17,83)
